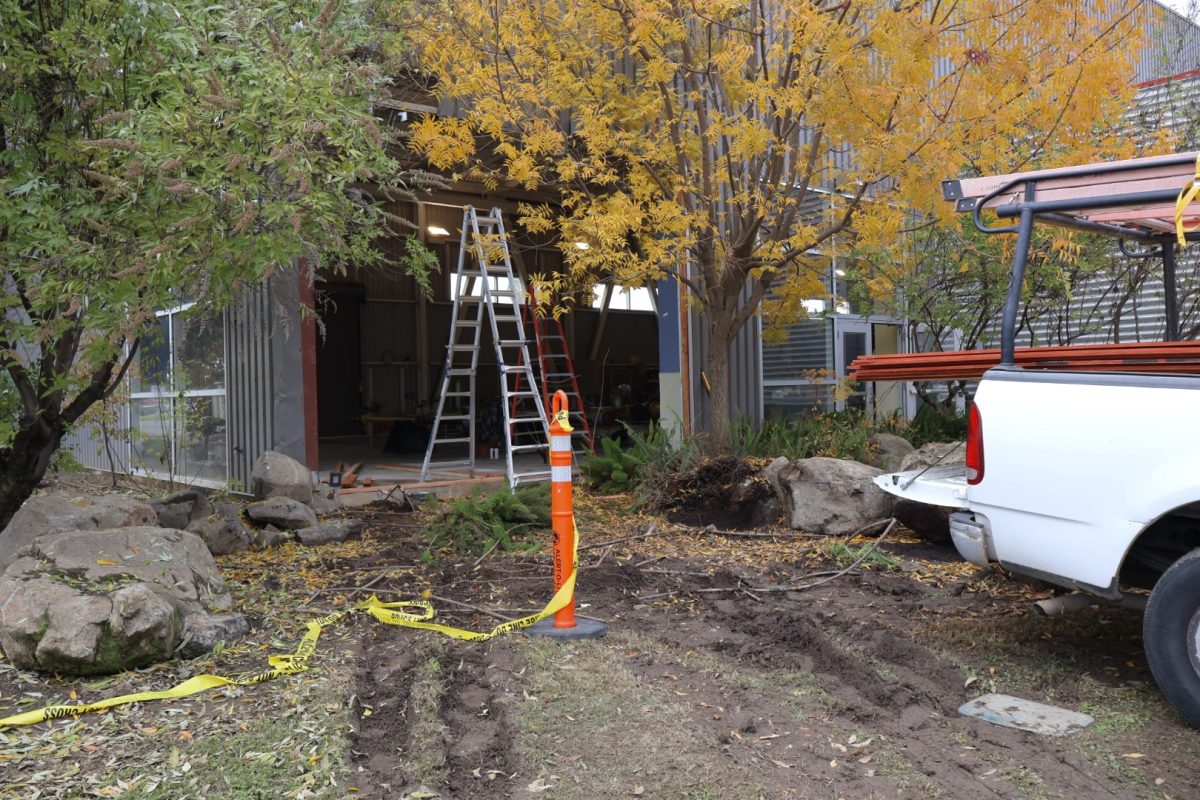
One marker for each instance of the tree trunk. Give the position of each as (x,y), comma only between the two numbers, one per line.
(23,464)
(716,369)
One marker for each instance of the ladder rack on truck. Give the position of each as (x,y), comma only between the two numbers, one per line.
(1148,201)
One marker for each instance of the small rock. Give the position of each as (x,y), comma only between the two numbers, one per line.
(333,531)
(324,500)
(277,475)
(177,509)
(173,515)
(202,634)
(284,512)
(268,537)
(222,537)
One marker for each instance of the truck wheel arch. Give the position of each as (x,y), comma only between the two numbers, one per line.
(1160,544)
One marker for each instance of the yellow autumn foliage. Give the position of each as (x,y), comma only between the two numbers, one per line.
(716,141)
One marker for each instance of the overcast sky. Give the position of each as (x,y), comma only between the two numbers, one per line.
(1179,5)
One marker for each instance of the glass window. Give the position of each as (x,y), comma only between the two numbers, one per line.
(624,298)
(152,369)
(473,287)
(177,404)
(795,400)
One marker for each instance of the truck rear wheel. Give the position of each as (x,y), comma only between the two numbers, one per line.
(1171,635)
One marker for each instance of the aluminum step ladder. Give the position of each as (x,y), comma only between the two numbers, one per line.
(556,370)
(484,283)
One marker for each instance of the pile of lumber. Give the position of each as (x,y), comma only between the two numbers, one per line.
(1163,357)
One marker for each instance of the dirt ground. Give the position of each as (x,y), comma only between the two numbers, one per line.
(714,682)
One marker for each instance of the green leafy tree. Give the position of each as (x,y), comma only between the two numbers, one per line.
(154,152)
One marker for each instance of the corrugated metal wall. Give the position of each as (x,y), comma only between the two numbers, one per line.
(248,377)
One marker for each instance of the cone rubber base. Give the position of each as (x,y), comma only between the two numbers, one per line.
(584,629)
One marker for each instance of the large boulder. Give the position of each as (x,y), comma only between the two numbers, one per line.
(57,513)
(277,475)
(282,512)
(888,451)
(102,601)
(934,454)
(828,495)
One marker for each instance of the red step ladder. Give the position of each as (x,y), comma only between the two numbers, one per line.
(556,371)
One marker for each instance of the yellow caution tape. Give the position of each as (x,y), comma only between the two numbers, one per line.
(1186,196)
(297,661)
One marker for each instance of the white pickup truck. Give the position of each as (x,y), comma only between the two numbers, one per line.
(1088,475)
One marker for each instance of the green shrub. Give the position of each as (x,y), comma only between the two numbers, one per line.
(844,434)
(617,469)
(480,522)
(934,423)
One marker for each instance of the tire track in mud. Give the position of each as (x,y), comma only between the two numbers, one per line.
(445,727)
(887,683)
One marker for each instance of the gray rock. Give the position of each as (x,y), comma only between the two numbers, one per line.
(268,537)
(828,495)
(221,536)
(202,634)
(277,475)
(57,513)
(889,450)
(228,511)
(332,531)
(283,512)
(934,454)
(98,602)
(178,509)
(324,500)
(173,515)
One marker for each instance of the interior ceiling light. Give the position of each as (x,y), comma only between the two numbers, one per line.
(582,245)
(437,230)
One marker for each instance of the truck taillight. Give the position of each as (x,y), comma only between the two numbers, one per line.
(974,445)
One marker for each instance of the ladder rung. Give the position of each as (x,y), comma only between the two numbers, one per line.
(456,394)
(454,417)
(521,448)
(460,372)
(513,342)
(467,323)
(463,440)
(518,477)
(505,318)
(560,356)
(558,376)
(488,220)
(437,464)
(520,420)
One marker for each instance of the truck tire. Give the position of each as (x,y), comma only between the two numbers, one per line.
(1171,635)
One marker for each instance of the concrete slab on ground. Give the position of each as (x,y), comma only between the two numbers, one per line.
(1026,715)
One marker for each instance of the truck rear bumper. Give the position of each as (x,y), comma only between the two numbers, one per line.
(971,536)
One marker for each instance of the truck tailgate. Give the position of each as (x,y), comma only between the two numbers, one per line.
(939,486)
